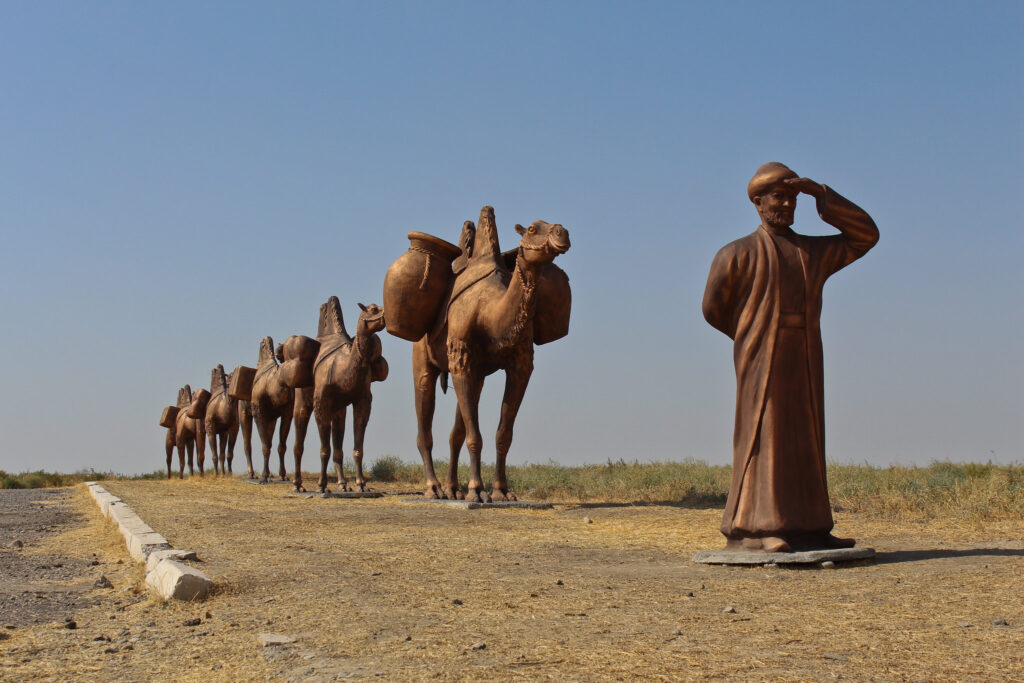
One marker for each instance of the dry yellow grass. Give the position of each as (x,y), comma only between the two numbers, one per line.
(367,587)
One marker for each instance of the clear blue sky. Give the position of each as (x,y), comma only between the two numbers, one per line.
(181,179)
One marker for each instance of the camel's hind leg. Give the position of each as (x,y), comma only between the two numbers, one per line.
(200,445)
(232,438)
(468,388)
(190,446)
(338,435)
(458,437)
(424,376)
(282,442)
(301,425)
(265,428)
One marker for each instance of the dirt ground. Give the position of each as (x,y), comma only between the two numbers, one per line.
(396,591)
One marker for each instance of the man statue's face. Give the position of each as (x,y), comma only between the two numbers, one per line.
(776,206)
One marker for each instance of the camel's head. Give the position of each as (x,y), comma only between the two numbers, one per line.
(279,353)
(371,319)
(542,242)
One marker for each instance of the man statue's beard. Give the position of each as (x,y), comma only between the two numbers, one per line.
(778,219)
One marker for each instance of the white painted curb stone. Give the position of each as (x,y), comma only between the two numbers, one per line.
(174,579)
(166,574)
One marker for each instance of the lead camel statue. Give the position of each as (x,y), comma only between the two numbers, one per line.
(489,322)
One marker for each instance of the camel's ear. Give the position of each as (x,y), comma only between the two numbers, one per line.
(362,307)
(520,229)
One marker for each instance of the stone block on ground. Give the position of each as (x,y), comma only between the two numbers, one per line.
(158,556)
(174,580)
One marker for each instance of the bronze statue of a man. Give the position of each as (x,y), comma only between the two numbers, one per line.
(764,293)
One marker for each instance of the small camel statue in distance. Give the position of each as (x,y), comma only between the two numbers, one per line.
(189,435)
(271,400)
(221,421)
(489,327)
(342,374)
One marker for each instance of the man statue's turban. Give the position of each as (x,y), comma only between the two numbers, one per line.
(769,174)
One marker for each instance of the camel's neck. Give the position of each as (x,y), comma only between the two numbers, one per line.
(514,310)
(361,344)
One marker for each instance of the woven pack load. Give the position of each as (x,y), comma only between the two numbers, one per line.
(416,285)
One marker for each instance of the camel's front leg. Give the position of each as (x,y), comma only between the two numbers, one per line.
(301,424)
(201,446)
(282,442)
(212,436)
(222,454)
(360,418)
(424,376)
(516,378)
(190,446)
(338,433)
(468,388)
(455,441)
(245,424)
(169,444)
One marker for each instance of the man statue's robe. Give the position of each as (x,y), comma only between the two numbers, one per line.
(764,292)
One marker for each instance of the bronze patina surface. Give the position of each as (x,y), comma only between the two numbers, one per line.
(486,323)
(764,292)
(272,400)
(221,421)
(188,434)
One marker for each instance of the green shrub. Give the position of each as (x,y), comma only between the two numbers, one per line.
(385,468)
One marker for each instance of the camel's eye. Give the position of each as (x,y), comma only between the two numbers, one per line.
(533,230)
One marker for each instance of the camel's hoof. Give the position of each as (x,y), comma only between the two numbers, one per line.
(300,489)
(361,487)
(485,497)
(430,494)
(475,496)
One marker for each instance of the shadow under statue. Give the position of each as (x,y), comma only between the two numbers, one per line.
(764,292)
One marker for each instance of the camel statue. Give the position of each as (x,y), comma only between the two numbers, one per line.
(487,325)
(342,373)
(272,399)
(189,435)
(221,421)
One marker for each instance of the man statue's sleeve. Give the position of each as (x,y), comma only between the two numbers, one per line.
(720,293)
(859,232)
